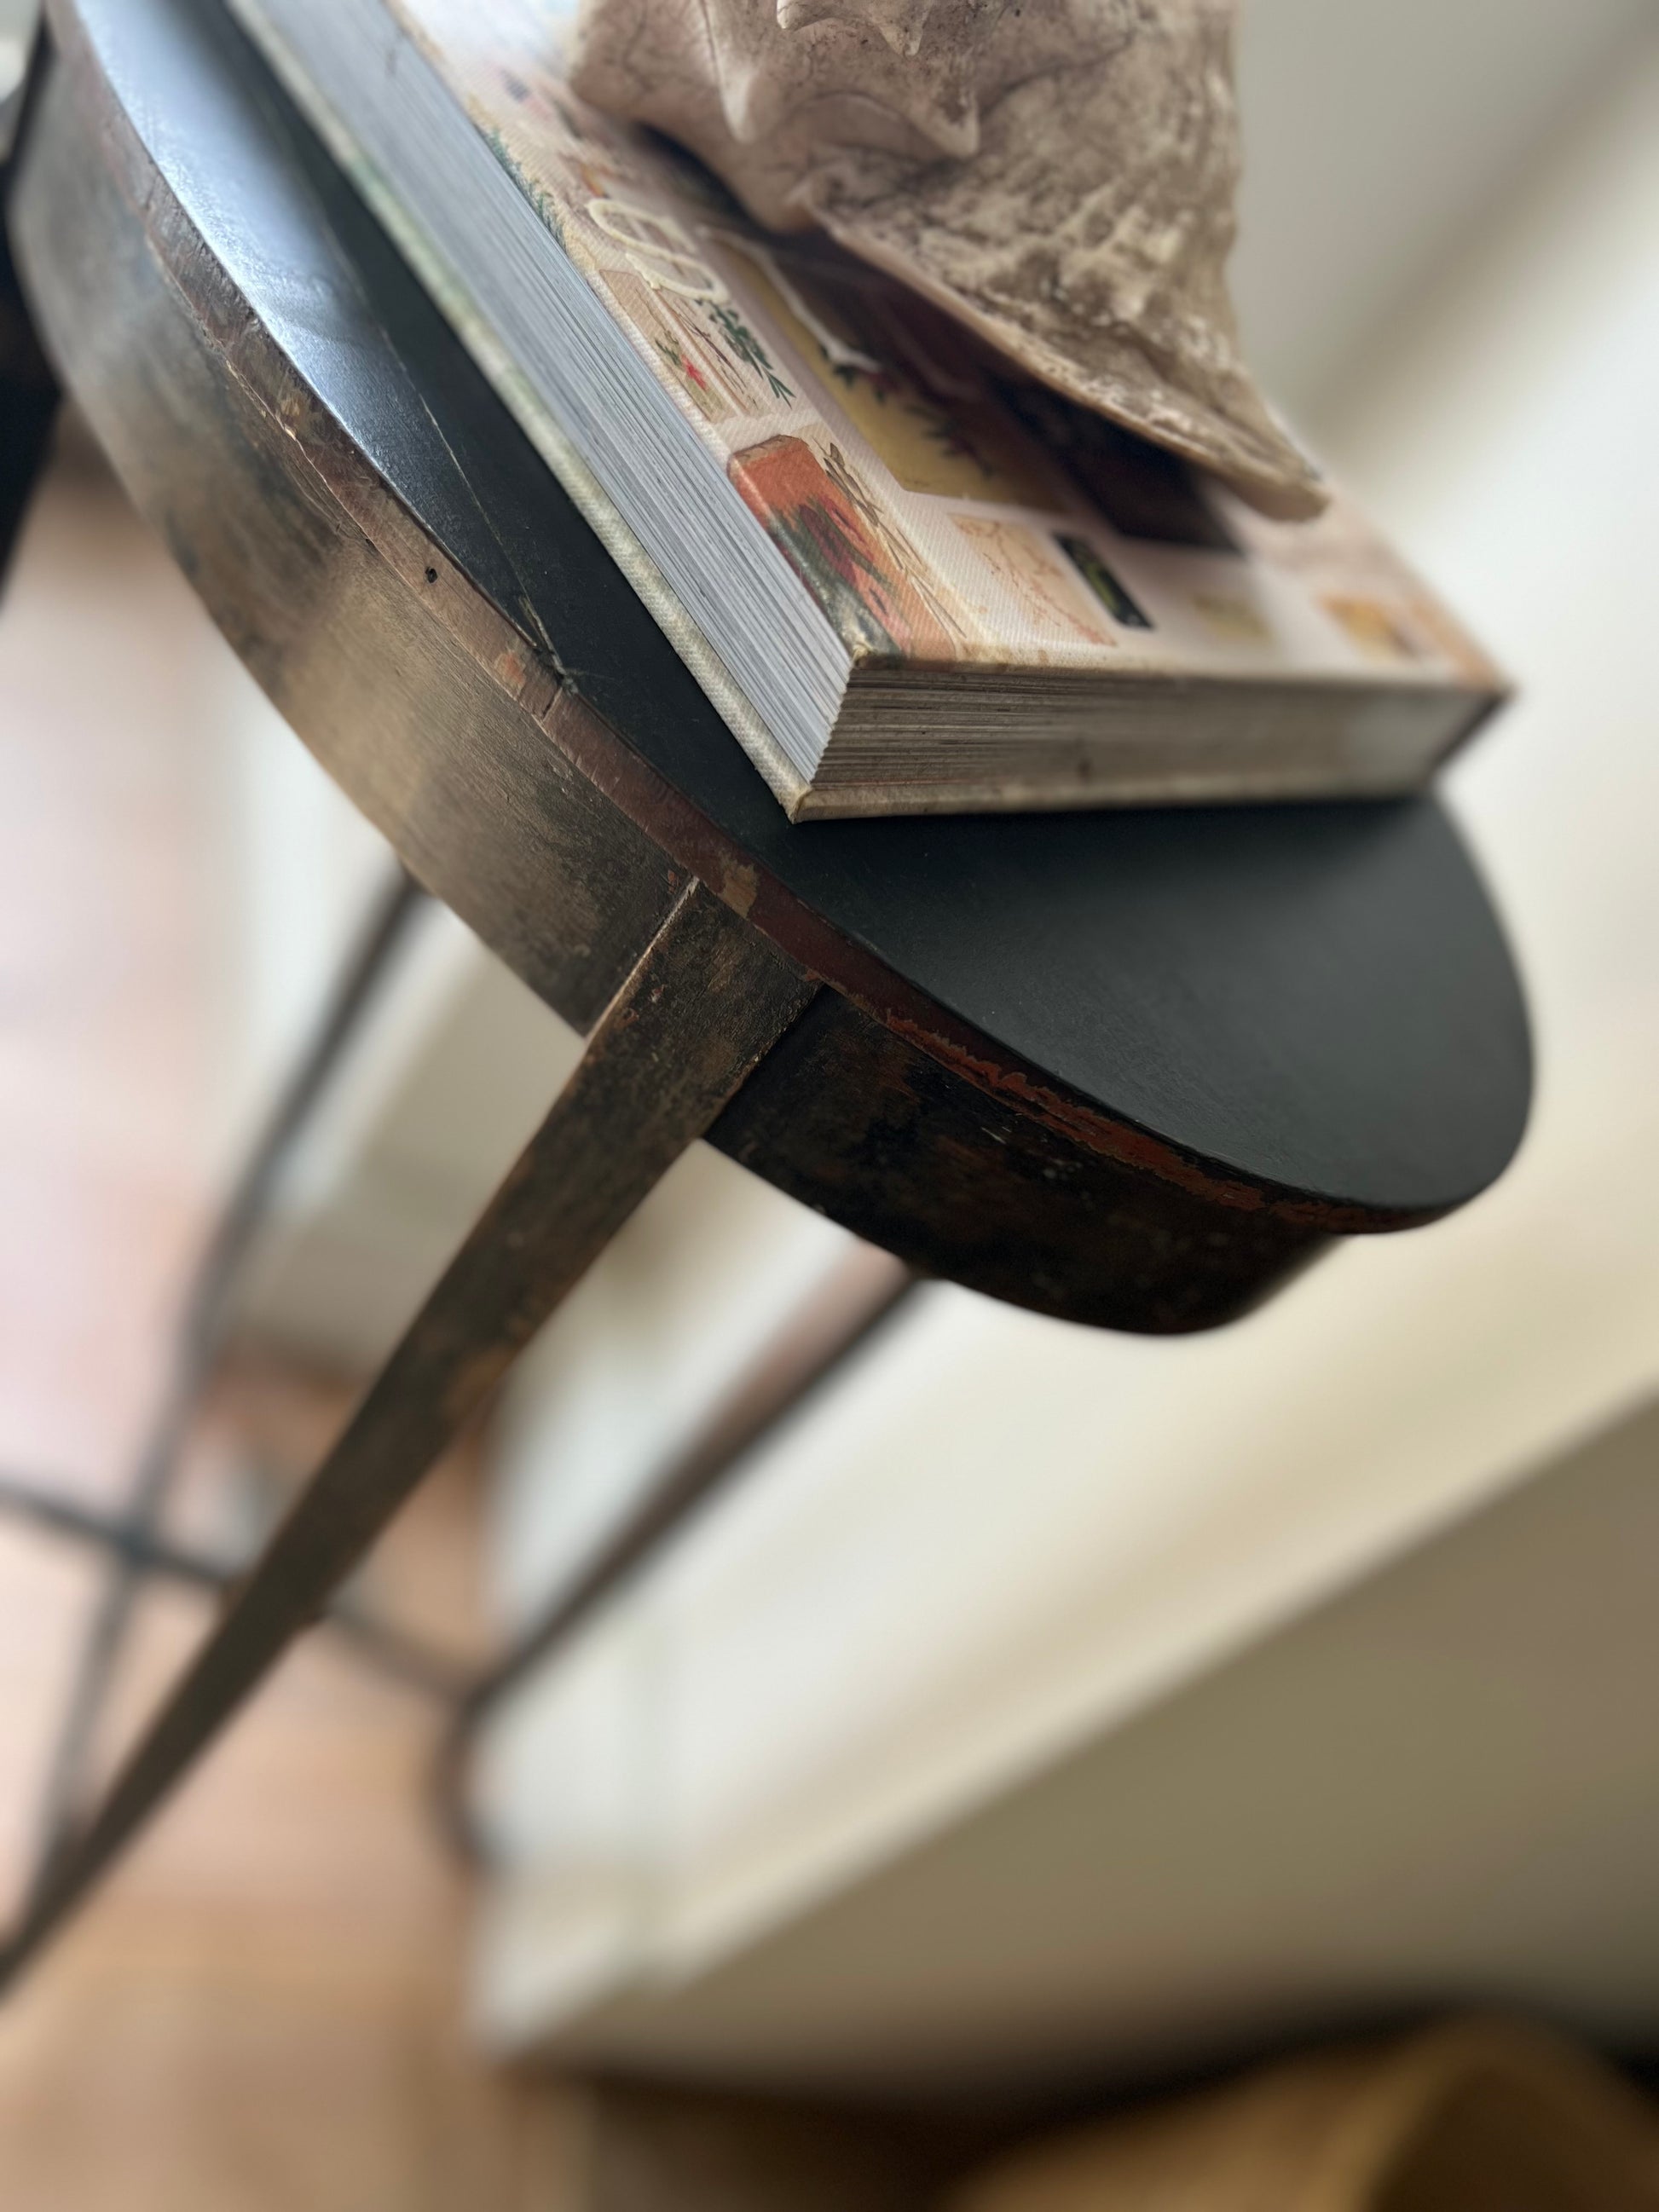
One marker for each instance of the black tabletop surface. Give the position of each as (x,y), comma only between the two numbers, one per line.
(1317,995)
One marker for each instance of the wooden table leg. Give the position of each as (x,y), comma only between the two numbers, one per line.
(142,1554)
(196,1351)
(858,1300)
(705,1002)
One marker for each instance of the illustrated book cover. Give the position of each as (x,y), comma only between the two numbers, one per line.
(910,579)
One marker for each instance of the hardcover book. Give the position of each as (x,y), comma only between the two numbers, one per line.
(911,578)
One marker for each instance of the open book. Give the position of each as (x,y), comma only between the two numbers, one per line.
(911,580)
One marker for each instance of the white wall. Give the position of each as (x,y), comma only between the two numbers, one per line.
(1437,1790)
(1377,141)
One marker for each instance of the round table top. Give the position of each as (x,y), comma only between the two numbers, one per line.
(1313,997)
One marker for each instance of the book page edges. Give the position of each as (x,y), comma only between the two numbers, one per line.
(1068,771)
(535,420)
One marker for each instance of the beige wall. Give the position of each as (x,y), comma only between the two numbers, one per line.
(1439,1789)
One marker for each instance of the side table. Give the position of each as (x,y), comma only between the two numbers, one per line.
(1130,1069)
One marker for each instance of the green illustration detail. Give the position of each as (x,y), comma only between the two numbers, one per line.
(748,348)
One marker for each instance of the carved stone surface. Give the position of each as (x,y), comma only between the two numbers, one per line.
(1058,175)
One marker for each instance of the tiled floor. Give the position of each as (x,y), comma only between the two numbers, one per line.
(263,2010)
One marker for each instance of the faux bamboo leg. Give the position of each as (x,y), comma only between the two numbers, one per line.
(707,999)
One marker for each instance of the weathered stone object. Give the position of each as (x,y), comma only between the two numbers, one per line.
(1057,174)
